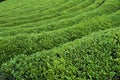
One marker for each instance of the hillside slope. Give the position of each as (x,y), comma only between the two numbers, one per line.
(60,39)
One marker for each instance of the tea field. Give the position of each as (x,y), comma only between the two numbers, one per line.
(60,40)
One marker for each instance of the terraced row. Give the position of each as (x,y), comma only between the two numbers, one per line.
(53,10)
(27,44)
(36,17)
(38,23)
(60,39)
(63,23)
(90,57)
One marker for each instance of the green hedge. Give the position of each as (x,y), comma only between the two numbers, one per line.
(27,44)
(108,7)
(96,56)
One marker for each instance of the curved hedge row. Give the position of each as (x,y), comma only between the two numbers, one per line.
(39,15)
(27,44)
(33,28)
(96,56)
(60,40)
(108,7)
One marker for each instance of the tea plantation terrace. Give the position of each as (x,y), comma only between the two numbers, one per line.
(60,40)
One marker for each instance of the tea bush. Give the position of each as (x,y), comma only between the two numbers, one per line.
(92,57)
(28,44)
(60,40)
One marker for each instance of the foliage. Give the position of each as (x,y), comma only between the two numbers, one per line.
(60,40)
(90,57)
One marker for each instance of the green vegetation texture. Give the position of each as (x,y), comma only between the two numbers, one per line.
(60,40)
